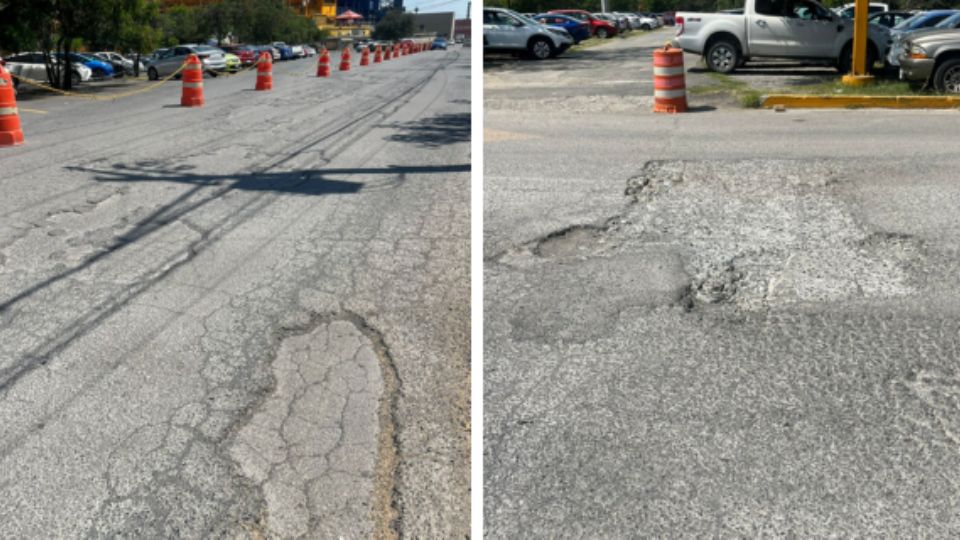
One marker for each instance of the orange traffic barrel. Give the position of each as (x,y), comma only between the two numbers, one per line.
(669,86)
(323,64)
(10,132)
(378,55)
(386,52)
(365,57)
(265,71)
(345,59)
(192,83)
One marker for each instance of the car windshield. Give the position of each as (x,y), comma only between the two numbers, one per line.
(925,20)
(950,22)
(207,49)
(523,18)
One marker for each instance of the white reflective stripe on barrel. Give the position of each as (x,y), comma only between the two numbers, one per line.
(7,111)
(668,71)
(265,74)
(193,85)
(669,93)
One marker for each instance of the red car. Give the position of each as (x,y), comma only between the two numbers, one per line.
(598,27)
(247,53)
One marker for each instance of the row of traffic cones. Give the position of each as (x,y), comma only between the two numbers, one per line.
(11,133)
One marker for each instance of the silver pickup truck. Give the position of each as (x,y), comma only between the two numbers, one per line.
(793,29)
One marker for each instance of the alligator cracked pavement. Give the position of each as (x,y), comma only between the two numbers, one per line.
(719,324)
(254,326)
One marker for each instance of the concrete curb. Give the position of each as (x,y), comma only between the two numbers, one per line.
(846,102)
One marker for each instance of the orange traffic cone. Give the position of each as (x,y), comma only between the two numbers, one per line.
(386,52)
(404,49)
(192,83)
(378,55)
(265,71)
(365,57)
(396,51)
(10,132)
(323,65)
(345,59)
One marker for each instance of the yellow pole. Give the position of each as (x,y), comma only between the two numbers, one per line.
(861,71)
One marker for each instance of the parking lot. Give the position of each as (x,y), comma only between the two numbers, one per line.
(730,322)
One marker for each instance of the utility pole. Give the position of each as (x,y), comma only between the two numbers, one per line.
(603,6)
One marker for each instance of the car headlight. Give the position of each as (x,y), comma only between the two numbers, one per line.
(918,52)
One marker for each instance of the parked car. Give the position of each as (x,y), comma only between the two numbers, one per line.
(439,44)
(286,51)
(648,22)
(298,51)
(170,60)
(889,18)
(920,21)
(101,69)
(578,30)
(507,30)
(119,61)
(232,62)
(310,51)
(274,52)
(598,27)
(797,29)
(619,25)
(32,66)
(933,59)
(668,17)
(247,54)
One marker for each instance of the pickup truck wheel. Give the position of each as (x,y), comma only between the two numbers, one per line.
(541,48)
(152,74)
(947,77)
(723,57)
(602,33)
(845,62)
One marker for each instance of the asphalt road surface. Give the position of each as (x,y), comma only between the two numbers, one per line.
(722,323)
(249,319)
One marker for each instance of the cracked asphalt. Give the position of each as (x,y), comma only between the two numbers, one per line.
(722,323)
(245,320)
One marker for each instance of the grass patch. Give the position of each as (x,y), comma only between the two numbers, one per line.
(837,88)
(725,84)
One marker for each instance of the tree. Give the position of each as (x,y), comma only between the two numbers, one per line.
(394,25)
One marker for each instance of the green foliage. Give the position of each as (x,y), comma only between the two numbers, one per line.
(394,25)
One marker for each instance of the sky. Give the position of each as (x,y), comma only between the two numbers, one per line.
(457,6)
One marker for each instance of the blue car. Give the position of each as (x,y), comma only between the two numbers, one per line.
(286,51)
(100,69)
(438,43)
(580,30)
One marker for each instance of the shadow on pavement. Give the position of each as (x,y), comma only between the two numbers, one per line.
(438,130)
(205,188)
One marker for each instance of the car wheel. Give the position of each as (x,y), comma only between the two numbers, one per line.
(99,74)
(75,78)
(602,33)
(723,57)
(540,48)
(645,27)
(845,62)
(947,77)
(152,74)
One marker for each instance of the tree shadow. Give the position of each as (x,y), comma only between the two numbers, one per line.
(435,131)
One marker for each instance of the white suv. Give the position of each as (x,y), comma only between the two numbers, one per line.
(507,30)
